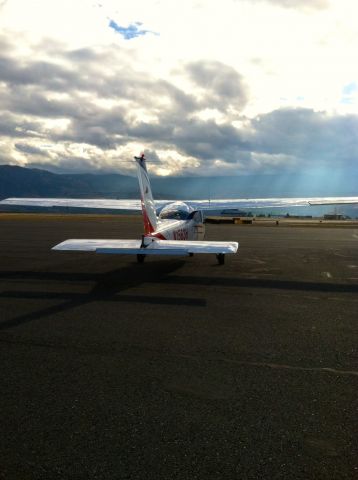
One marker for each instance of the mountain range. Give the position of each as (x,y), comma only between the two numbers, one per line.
(29,182)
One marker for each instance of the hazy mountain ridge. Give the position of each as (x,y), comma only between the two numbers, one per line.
(26,182)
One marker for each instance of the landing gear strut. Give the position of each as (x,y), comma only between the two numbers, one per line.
(220,258)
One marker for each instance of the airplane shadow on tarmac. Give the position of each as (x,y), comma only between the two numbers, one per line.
(265,283)
(107,287)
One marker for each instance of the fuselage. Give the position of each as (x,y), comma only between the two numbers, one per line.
(178,221)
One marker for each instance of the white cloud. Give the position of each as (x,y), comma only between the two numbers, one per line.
(195,90)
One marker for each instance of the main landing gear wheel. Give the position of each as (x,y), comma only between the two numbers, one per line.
(221,258)
(140,257)
(191,254)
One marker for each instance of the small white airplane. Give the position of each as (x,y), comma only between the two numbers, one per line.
(178,229)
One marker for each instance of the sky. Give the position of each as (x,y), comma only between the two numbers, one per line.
(203,87)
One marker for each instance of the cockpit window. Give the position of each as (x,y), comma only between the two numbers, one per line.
(177,214)
(175,211)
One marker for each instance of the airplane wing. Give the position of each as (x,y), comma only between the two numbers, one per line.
(334,201)
(99,203)
(133,204)
(157,247)
(251,203)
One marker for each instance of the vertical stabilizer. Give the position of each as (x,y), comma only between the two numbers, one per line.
(148,207)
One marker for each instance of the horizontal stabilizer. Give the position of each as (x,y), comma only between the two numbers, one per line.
(92,245)
(196,246)
(156,247)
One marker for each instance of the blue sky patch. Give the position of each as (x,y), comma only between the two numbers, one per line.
(132,31)
(348,93)
(350,88)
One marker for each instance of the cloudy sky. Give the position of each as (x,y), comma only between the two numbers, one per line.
(204,87)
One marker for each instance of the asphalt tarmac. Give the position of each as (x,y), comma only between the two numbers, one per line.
(178,368)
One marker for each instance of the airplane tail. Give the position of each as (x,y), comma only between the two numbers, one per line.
(148,207)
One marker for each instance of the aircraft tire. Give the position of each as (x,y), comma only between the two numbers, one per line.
(221,258)
(191,254)
(140,257)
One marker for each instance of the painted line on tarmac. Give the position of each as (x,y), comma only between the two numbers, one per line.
(280,366)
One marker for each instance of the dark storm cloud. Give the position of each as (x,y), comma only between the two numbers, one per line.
(162,132)
(103,128)
(208,140)
(205,140)
(93,70)
(29,89)
(80,69)
(29,101)
(29,97)
(147,92)
(67,163)
(307,135)
(88,122)
(222,84)
(29,85)
(85,74)
(26,148)
(47,74)
(80,132)
(283,138)
(84,55)
(15,127)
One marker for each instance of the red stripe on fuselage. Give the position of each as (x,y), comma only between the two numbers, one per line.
(159,235)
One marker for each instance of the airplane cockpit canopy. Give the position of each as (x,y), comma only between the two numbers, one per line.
(176,211)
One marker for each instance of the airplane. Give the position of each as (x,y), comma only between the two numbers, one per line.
(179,227)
